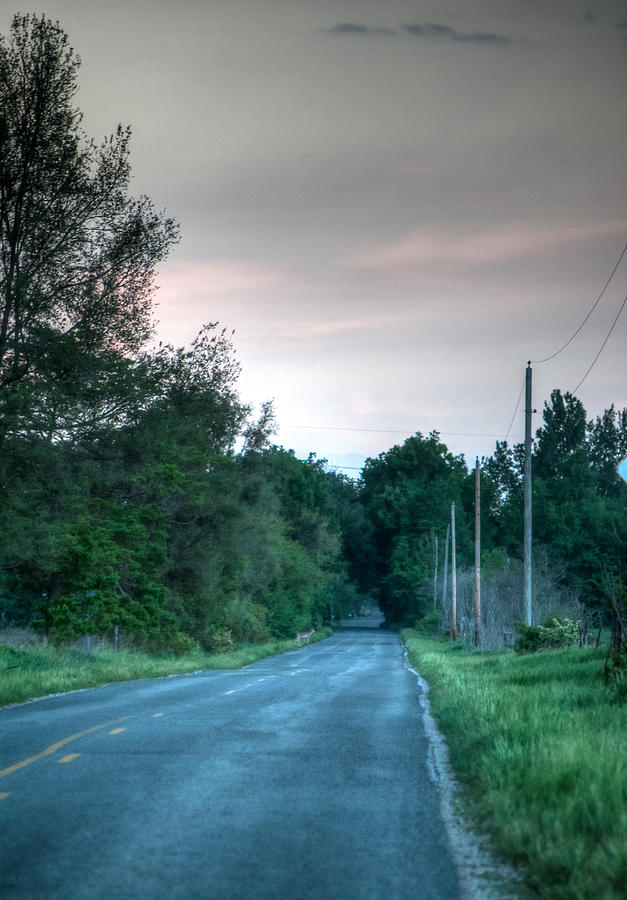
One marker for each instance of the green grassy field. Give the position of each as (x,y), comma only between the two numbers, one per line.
(539,743)
(37,671)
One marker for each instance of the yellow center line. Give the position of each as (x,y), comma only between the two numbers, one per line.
(54,747)
(117,730)
(3,794)
(68,758)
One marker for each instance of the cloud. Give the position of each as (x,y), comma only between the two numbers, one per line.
(352,28)
(445,32)
(430,31)
(226,291)
(186,281)
(432,247)
(305,330)
(481,37)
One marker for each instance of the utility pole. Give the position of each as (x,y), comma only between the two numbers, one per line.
(477,553)
(435,573)
(448,531)
(527,497)
(453,577)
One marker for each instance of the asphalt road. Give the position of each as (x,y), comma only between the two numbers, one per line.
(302,776)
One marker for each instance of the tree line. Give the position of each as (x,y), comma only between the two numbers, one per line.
(579,521)
(124,500)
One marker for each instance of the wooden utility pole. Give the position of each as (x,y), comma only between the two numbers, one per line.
(453,577)
(444,586)
(435,574)
(527,496)
(477,553)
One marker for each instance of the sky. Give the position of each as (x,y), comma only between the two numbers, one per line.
(394,205)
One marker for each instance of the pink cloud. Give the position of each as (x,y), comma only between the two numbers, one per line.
(511,242)
(186,280)
(308,329)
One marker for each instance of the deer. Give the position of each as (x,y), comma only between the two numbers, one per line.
(304,635)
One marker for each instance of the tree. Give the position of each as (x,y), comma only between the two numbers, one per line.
(579,508)
(407,494)
(561,450)
(503,500)
(607,438)
(77,253)
(77,263)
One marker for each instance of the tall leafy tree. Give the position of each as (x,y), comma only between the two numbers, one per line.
(407,493)
(77,264)
(503,504)
(77,253)
(607,439)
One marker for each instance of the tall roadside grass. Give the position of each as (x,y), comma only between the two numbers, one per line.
(539,742)
(35,671)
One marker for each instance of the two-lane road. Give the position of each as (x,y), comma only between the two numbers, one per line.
(301,776)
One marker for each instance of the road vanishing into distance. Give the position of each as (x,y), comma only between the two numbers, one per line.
(303,775)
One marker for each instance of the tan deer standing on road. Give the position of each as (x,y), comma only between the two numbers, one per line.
(304,635)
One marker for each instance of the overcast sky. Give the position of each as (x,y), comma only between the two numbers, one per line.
(394,204)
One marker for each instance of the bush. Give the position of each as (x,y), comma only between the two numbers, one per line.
(247,621)
(555,633)
(218,640)
(430,623)
(180,644)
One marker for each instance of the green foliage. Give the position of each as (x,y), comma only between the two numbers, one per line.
(218,640)
(580,511)
(78,253)
(538,741)
(180,644)
(124,503)
(555,633)
(430,623)
(406,494)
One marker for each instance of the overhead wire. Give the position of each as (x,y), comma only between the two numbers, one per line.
(537,361)
(592,309)
(515,410)
(602,345)
(395,430)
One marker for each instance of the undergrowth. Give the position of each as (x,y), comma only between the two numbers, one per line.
(35,671)
(539,742)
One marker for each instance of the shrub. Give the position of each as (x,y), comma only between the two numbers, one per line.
(429,623)
(247,621)
(180,644)
(218,640)
(554,634)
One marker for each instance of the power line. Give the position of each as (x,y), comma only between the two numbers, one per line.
(516,410)
(394,431)
(602,345)
(594,306)
(333,466)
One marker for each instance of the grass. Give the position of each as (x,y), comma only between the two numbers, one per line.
(36,671)
(539,742)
